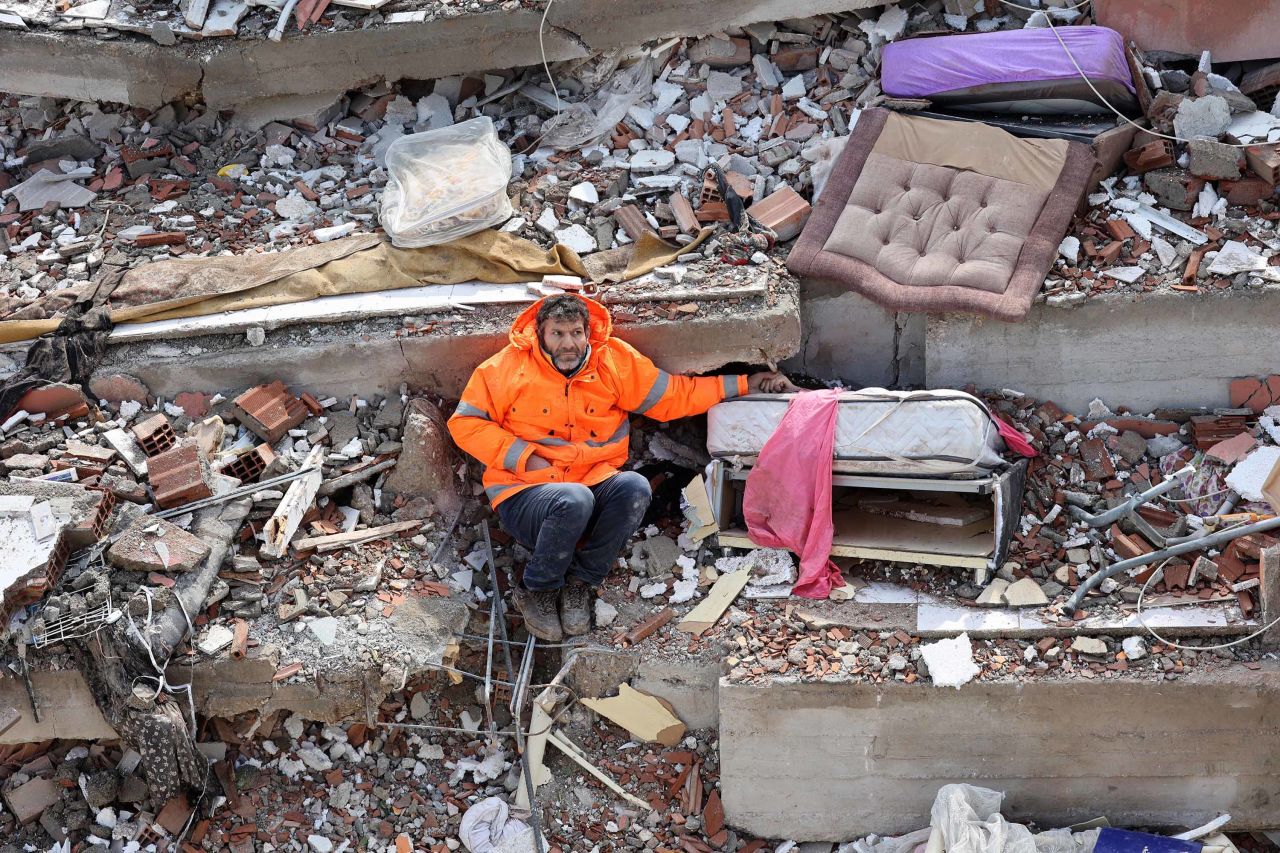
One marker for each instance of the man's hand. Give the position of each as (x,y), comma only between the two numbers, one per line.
(536,463)
(770,382)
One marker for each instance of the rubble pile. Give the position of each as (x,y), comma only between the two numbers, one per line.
(1194,213)
(791,643)
(617,151)
(1098,462)
(235,18)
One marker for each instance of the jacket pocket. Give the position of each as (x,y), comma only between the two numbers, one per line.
(551,474)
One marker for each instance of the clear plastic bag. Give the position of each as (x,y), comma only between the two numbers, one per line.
(445,184)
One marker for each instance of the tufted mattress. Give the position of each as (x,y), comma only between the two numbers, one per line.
(923,214)
(896,433)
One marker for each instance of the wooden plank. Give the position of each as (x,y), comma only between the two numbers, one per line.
(710,609)
(197,11)
(355,537)
(284,522)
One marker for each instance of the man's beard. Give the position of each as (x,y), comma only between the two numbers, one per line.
(567,360)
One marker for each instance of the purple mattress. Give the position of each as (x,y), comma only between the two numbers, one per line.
(1023,71)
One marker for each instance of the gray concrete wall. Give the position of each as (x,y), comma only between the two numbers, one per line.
(830,762)
(236,73)
(1145,353)
(848,337)
(1161,350)
(365,358)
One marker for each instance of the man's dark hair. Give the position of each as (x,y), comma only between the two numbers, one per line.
(564,307)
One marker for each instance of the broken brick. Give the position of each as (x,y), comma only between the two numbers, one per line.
(1255,394)
(179,475)
(1096,460)
(269,411)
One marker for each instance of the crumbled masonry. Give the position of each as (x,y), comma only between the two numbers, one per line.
(284,605)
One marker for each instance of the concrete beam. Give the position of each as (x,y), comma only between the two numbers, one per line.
(849,337)
(82,68)
(240,74)
(832,762)
(366,358)
(1145,353)
(689,683)
(247,73)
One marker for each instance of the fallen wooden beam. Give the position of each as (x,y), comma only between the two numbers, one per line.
(355,537)
(284,522)
(328,487)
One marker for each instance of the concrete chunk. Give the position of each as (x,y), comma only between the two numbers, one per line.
(155,545)
(1206,117)
(1025,593)
(29,800)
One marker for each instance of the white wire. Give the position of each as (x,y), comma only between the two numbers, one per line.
(162,683)
(1142,593)
(1101,97)
(543,50)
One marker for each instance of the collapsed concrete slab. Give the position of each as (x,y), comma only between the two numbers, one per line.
(372,358)
(335,684)
(831,762)
(273,78)
(83,68)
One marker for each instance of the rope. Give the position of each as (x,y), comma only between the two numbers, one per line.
(1101,97)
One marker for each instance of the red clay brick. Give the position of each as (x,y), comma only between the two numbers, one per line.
(269,411)
(179,475)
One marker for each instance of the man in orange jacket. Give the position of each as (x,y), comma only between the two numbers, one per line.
(548,417)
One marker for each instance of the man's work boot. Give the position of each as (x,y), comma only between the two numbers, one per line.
(539,611)
(575,608)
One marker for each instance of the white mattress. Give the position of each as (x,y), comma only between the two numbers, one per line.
(901,433)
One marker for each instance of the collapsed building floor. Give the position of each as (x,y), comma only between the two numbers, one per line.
(265,617)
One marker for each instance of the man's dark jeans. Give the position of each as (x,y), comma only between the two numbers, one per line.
(551,519)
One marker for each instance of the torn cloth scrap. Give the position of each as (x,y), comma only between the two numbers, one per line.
(788,496)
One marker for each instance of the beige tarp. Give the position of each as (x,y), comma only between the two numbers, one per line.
(364,263)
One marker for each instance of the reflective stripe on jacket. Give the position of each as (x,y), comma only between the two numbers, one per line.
(517,402)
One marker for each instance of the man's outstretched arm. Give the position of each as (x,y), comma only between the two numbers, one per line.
(650,391)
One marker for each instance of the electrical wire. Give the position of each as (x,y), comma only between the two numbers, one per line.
(1101,97)
(542,48)
(1193,500)
(1142,594)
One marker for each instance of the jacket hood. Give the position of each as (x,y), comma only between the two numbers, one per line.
(524,331)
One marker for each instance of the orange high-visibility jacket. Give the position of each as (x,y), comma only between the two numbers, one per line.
(517,402)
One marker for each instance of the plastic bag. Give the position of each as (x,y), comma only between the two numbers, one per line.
(445,184)
(581,124)
(487,827)
(967,819)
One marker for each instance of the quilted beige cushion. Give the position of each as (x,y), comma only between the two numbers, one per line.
(922,214)
(926,225)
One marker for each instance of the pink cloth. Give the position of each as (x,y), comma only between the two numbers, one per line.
(788,497)
(1016,441)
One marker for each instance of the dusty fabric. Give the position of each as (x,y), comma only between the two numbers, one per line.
(517,402)
(647,254)
(986,150)
(170,760)
(365,263)
(968,226)
(787,503)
